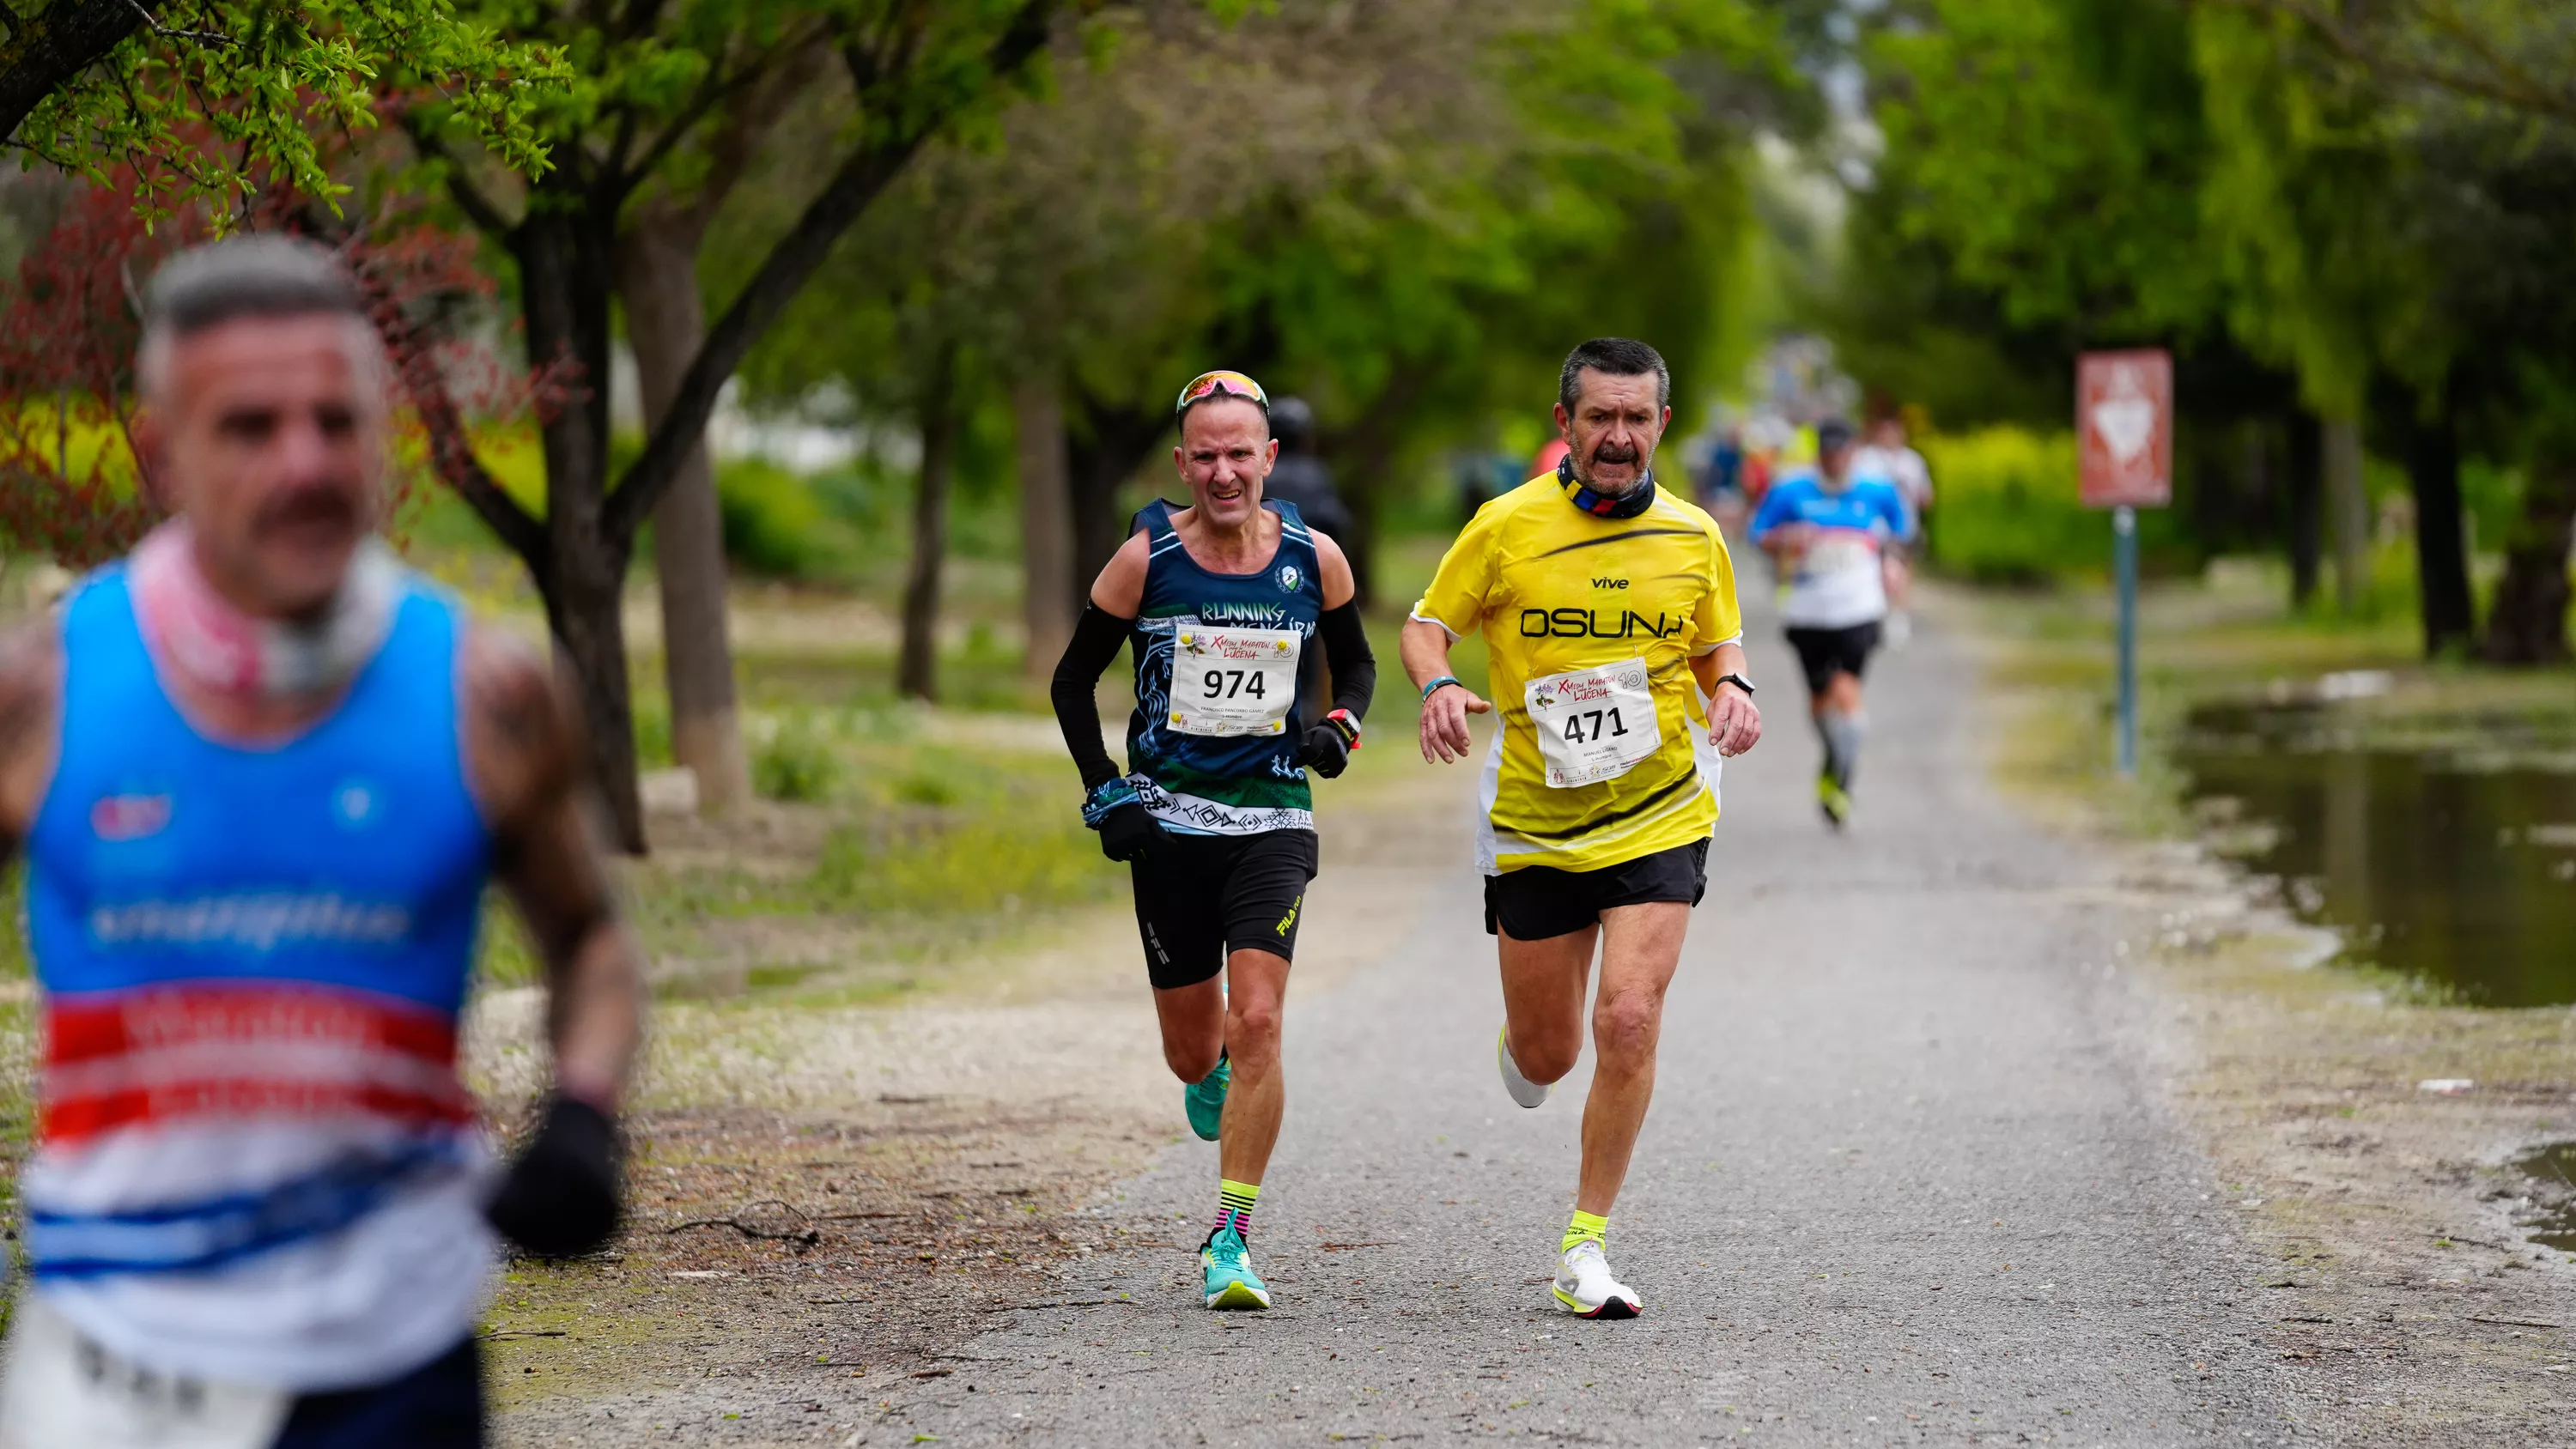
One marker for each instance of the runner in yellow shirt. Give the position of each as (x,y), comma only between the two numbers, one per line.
(1609,612)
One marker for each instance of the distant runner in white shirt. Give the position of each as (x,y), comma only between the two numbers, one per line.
(1886,455)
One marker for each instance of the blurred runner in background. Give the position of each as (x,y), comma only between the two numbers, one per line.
(1886,455)
(1302,480)
(262,774)
(1829,530)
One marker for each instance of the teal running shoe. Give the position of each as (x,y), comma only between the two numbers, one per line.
(1231,1283)
(1204,1100)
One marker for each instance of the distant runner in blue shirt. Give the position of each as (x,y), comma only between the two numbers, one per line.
(1830,530)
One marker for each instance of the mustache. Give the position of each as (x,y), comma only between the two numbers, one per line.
(307,505)
(1608,452)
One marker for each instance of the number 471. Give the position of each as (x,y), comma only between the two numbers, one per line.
(1574,729)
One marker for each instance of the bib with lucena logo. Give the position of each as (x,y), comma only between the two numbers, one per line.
(1215,732)
(255,1162)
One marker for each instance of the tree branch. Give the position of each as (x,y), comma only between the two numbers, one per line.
(66,38)
(864,174)
(478,208)
(2507,84)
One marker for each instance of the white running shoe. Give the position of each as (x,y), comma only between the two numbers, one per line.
(1523,1090)
(1585,1288)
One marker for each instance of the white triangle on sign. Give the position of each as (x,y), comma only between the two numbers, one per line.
(2126,424)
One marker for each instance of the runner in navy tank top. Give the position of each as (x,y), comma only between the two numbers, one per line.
(261,774)
(1221,600)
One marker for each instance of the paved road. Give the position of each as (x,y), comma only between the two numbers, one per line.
(1907,1179)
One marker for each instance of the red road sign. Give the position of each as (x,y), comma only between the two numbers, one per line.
(2124,427)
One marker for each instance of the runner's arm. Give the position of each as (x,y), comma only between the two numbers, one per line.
(1097,637)
(1345,634)
(31,694)
(1734,724)
(530,768)
(1425,645)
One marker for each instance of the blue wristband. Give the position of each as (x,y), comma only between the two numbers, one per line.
(1446,679)
(1109,796)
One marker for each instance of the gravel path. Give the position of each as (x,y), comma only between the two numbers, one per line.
(1909,1176)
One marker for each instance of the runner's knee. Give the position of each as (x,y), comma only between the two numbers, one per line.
(1626,1026)
(1547,1055)
(1191,1060)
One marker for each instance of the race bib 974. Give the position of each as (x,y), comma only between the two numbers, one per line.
(1233,681)
(1594,724)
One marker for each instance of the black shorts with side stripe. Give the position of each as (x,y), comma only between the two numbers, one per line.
(1537,902)
(1200,898)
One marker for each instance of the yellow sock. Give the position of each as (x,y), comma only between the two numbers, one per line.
(1234,1201)
(1585,1225)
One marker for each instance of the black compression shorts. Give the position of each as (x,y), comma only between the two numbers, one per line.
(1824,653)
(1537,902)
(1200,898)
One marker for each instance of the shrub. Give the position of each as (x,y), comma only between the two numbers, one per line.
(776,523)
(2005,507)
(794,761)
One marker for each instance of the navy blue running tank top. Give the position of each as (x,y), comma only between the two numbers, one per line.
(1215,728)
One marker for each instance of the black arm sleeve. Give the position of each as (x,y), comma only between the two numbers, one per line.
(1346,649)
(1097,637)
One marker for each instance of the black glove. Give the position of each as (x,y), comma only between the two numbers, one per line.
(560,1197)
(1328,743)
(1129,832)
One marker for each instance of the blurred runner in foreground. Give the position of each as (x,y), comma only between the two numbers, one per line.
(261,774)
(1886,455)
(1830,530)
(1220,600)
(1609,612)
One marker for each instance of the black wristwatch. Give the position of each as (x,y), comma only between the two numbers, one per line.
(1738,680)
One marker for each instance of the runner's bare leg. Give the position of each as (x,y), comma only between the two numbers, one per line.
(1543,988)
(1193,1021)
(1258,1097)
(1641,946)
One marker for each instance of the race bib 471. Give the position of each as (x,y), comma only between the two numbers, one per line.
(1594,724)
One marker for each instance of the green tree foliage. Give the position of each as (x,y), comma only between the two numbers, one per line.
(1405,210)
(212,100)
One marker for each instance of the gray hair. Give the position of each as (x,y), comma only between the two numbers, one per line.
(270,276)
(1617,357)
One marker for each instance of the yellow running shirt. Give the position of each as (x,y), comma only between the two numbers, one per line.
(1591,624)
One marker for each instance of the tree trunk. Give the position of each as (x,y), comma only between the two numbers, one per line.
(2307,514)
(1104,455)
(918,672)
(1049,598)
(2347,509)
(2441,549)
(665,321)
(2528,624)
(563,276)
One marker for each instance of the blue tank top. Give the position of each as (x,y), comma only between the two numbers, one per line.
(1220,784)
(253,960)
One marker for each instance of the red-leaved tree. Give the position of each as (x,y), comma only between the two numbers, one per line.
(71,484)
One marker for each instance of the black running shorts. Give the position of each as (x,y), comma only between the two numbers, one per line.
(1199,898)
(1537,902)
(1824,653)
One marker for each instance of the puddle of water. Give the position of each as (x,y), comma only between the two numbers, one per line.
(2552,1170)
(2454,863)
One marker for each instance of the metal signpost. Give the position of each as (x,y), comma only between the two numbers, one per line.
(2124,432)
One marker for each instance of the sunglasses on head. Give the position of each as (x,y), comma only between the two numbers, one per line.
(1221,384)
